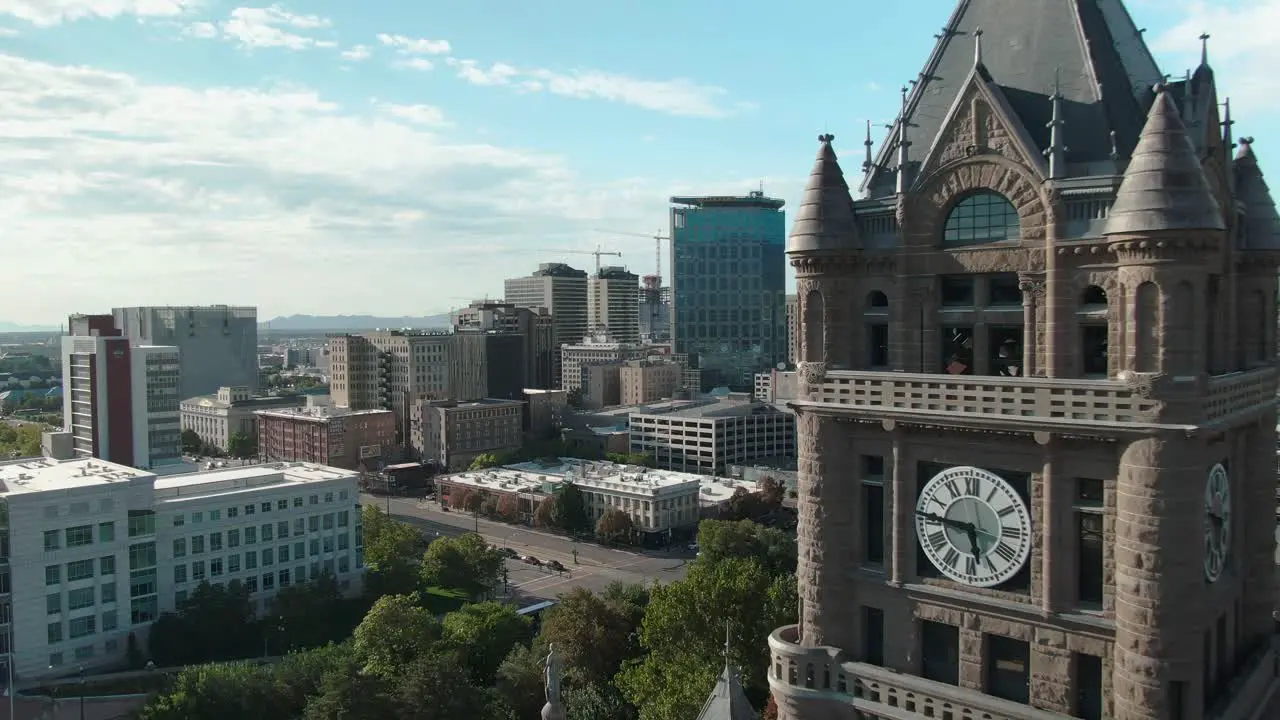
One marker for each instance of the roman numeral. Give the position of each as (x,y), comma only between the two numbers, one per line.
(992,494)
(952,557)
(970,565)
(1005,511)
(1006,552)
(1013,532)
(953,487)
(937,539)
(971,486)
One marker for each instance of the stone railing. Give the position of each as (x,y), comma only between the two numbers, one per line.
(824,675)
(1007,399)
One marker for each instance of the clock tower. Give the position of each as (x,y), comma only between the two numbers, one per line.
(1037,393)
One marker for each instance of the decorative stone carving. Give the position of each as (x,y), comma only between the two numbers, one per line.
(993,172)
(1032,287)
(1142,384)
(1173,248)
(813,373)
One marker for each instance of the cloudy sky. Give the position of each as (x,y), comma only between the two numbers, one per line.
(400,158)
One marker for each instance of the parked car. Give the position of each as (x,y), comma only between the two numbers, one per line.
(531,560)
(556,565)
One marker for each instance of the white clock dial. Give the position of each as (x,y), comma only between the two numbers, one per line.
(973,526)
(1217,522)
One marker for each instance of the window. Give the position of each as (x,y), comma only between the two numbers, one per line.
(215,542)
(283,577)
(873,636)
(314,500)
(142,610)
(299,526)
(179,520)
(282,552)
(197,517)
(250,535)
(251,584)
(107,565)
(981,217)
(109,621)
(267,532)
(52,539)
(940,652)
(142,582)
(1004,291)
(297,502)
(314,546)
(197,570)
(267,557)
(215,515)
(81,598)
(1089,509)
(957,350)
(299,550)
(84,652)
(179,547)
(282,529)
(878,345)
(179,574)
(327,541)
(55,632)
(265,507)
(106,532)
(957,291)
(249,509)
(215,567)
(268,581)
(233,512)
(79,536)
(79,570)
(52,574)
(873,512)
(344,518)
(142,522)
(53,603)
(142,555)
(233,538)
(108,593)
(1005,350)
(197,544)
(328,518)
(282,504)
(343,541)
(55,659)
(250,560)
(1008,669)
(233,563)
(313,523)
(1088,682)
(344,564)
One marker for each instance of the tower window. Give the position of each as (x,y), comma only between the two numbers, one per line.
(956,291)
(1008,668)
(981,217)
(878,345)
(940,652)
(957,350)
(1003,291)
(873,636)
(873,510)
(1088,682)
(1089,541)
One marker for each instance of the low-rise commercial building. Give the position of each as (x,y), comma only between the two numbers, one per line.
(707,436)
(95,551)
(594,351)
(327,435)
(544,412)
(453,434)
(649,380)
(215,418)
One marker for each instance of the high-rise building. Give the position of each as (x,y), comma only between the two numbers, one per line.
(533,325)
(560,289)
(793,328)
(729,283)
(1037,393)
(218,343)
(120,401)
(613,304)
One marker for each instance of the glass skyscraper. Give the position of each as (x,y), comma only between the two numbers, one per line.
(728,283)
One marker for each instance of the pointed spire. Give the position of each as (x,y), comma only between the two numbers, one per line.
(1057,150)
(824,220)
(904,156)
(1228,140)
(1245,154)
(977,48)
(728,701)
(1164,187)
(866,164)
(1261,220)
(1204,49)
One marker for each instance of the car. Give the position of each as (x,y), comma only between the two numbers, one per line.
(509,552)
(531,560)
(556,565)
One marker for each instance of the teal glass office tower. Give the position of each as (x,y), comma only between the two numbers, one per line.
(728,285)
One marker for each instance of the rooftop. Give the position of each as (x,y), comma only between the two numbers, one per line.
(472,404)
(34,475)
(755,198)
(318,413)
(723,407)
(212,401)
(235,479)
(542,475)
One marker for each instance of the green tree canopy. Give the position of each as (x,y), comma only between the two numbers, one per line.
(597,701)
(395,632)
(542,515)
(592,633)
(720,540)
(215,623)
(391,553)
(465,563)
(772,492)
(313,613)
(569,511)
(242,445)
(685,651)
(485,461)
(22,441)
(348,693)
(191,442)
(437,687)
(485,633)
(520,681)
(614,524)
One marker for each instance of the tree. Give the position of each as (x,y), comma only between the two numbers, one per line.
(743,505)
(643,459)
(770,710)
(614,525)
(484,634)
(771,493)
(242,446)
(22,441)
(597,701)
(217,691)
(720,540)
(391,552)
(395,632)
(592,633)
(350,694)
(474,502)
(465,563)
(437,687)
(508,508)
(215,623)
(520,680)
(311,613)
(191,442)
(484,461)
(685,651)
(543,514)
(569,513)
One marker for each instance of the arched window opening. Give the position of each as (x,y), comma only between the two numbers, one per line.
(1093,314)
(1146,328)
(814,331)
(808,676)
(876,317)
(981,217)
(1180,335)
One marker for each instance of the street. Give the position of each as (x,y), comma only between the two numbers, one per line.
(597,566)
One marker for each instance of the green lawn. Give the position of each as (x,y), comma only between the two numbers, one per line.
(443,600)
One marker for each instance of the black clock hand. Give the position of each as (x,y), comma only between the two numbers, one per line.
(973,543)
(961,526)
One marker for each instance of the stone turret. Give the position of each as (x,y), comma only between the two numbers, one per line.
(824,221)
(1261,221)
(728,701)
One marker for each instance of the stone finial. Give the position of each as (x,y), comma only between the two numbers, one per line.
(1164,188)
(1204,49)
(868,162)
(553,710)
(824,220)
(977,47)
(904,145)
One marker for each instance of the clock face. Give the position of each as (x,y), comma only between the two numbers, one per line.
(973,526)
(1217,522)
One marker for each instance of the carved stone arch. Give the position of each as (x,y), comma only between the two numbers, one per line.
(1105,279)
(941,190)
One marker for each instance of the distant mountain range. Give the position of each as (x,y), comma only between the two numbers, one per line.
(8,327)
(351,322)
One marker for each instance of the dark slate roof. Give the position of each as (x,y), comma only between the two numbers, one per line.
(1164,187)
(1262,223)
(824,220)
(728,701)
(1105,68)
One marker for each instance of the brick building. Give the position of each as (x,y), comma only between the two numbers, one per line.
(335,436)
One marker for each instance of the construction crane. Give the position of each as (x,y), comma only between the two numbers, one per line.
(657,238)
(597,252)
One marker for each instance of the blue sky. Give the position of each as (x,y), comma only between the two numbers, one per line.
(401,158)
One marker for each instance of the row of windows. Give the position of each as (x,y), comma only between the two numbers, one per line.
(80,570)
(180,519)
(267,532)
(217,568)
(253,558)
(79,536)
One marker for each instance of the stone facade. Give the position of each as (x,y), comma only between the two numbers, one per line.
(1101,359)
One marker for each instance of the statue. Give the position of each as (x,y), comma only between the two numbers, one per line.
(552,675)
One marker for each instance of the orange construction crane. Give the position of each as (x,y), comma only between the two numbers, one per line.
(657,238)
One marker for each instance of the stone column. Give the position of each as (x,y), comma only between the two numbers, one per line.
(829,532)
(1055,531)
(1032,299)
(1159,577)
(1254,482)
(902,507)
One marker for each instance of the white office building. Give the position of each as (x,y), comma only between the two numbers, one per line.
(96,551)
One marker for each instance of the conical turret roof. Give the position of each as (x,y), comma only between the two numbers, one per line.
(824,220)
(1262,222)
(728,701)
(1164,187)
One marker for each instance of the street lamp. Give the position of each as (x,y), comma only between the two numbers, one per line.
(82,689)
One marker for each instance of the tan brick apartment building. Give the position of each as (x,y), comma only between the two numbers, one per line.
(645,381)
(453,433)
(1037,402)
(341,437)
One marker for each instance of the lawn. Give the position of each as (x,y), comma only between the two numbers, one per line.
(443,600)
(139,685)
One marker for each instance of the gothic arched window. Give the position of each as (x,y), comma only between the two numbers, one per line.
(981,217)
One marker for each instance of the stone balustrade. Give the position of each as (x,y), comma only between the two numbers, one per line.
(823,674)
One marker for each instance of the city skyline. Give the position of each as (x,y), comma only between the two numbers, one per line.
(250,155)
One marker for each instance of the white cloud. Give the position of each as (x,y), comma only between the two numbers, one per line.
(357,53)
(1244,49)
(413,63)
(674,97)
(53,12)
(266,196)
(266,27)
(414,46)
(8,32)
